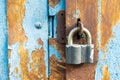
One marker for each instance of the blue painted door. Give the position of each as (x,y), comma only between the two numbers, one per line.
(32,39)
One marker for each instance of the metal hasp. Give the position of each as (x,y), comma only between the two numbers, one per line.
(79,53)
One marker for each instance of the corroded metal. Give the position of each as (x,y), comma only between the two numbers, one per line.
(86,10)
(108,19)
(53,3)
(57,60)
(61,27)
(27,48)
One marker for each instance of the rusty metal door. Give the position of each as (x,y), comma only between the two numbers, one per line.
(33,35)
(102,19)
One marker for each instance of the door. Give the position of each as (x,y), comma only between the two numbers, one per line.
(33,35)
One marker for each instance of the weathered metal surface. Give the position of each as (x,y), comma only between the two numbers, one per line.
(3,42)
(53,3)
(28,45)
(86,10)
(57,48)
(61,38)
(109,40)
(57,41)
(28,54)
(58,6)
(57,60)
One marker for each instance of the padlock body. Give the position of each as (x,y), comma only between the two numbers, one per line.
(77,54)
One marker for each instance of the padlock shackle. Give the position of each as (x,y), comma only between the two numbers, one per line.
(74,31)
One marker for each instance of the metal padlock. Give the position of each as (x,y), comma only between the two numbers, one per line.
(79,53)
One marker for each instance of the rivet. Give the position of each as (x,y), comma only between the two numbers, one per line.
(38,25)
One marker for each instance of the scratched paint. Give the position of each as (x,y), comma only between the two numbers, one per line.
(3,42)
(53,3)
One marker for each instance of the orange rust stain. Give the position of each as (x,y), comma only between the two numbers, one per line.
(57,67)
(110,15)
(15,14)
(38,65)
(23,62)
(53,3)
(40,41)
(9,53)
(106,74)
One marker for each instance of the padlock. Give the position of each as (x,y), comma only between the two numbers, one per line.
(79,53)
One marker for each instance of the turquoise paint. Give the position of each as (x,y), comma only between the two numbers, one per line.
(112,58)
(14,62)
(53,51)
(36,11)
(57,8)
(3,42)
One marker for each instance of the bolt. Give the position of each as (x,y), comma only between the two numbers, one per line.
(38,25)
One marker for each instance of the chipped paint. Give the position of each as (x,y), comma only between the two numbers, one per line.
(53,3)
(3,42)
(109,19)
(57,8)
(32,56)
(14,63)
(57,60)
(106,74)
(112,58)
(53,51)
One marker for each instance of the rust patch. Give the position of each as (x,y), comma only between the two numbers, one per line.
(87,11)
(57,67)
(53,3)
(40,41)
(106,74)
(15,14)
(38,65)
(9,53)
(110,15)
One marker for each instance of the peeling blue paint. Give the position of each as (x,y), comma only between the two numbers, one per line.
(112,58)
(36,11)
(3,42)
(14,62)
(99,20)
(57,8)
(53,51)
